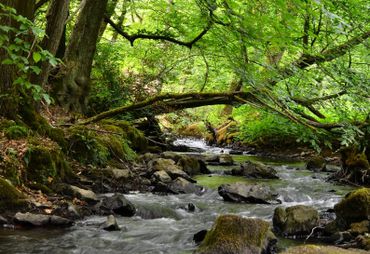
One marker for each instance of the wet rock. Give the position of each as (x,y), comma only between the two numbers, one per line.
(354,207)
(193,166)
(161,176)
(85,195)
(363,241)
(199,236)
(232,234)
(317,249)
(119,174)
(255,170)
(295,220)
(211,158)
(111,224)
(117,204)
(236,152)
(226,160)
(40,220)
(247,193)
(181,186)
(147,157)
(316,164)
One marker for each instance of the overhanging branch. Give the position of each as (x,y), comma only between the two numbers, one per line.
(132,38)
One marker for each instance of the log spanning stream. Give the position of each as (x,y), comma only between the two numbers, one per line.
(164,226)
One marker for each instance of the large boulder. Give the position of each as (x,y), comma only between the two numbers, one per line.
(161,176)
(181,185)
(247,193)
(40,220)
(232,234)
(117,204)
(354,207)
(226,160)
(255,170)
(295,220)
(192,165)
(317,249)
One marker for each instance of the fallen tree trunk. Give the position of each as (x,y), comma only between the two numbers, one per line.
(167,103)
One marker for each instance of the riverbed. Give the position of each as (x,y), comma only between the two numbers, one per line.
(173,226)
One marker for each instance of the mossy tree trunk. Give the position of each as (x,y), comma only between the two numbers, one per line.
(9,95)
(73,86)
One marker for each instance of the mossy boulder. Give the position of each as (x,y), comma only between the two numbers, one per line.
(10,197)
(135,137)
(317,249)
(232,234)
(16,132)
(197,130)
(354,207)
(44,164)
(295,220)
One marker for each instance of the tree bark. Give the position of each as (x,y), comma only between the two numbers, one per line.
(9,97)
(56,17)
(73,87)
(111,6)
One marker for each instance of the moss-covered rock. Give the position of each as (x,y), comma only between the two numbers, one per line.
(354,207)
(232,234)
(136,138)
(360,228)
(197,130)
(317,249)
(316,164)
(16,132)
(295,220)
(45,164)
(10,197)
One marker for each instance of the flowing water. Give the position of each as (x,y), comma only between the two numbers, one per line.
(173,228)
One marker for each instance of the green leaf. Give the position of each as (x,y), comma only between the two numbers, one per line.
(7,61)
(36,57)
(46,98)
(35,69)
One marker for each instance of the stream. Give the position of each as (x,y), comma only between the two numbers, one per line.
(173,230)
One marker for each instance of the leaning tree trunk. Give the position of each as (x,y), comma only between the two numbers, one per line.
(56,18)
(72,89)
(111,6)
(9,97)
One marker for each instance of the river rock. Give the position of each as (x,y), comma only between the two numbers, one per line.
(295,220)
(161,176)
(120,174)
(199,236)
(117,204)
(247,193)
(232,234)
(226,160)
(354,207)
(316,164)
(85,195)
(360,228)
(181,186)
(111,224)
(317,249)
(193,166)
(40,220)
(170,167)
(255,170)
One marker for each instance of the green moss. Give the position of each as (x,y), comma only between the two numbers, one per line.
(45,163)
(10,197)
(135,137)
(234,234)
(10,167)
(86,147)
(354,207)
(16,132)
(315,249)
(118,147)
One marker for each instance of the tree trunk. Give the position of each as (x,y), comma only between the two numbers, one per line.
(111,6)
(236,86)
(56,17)
(9,97)
(73,87)
(120,21)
